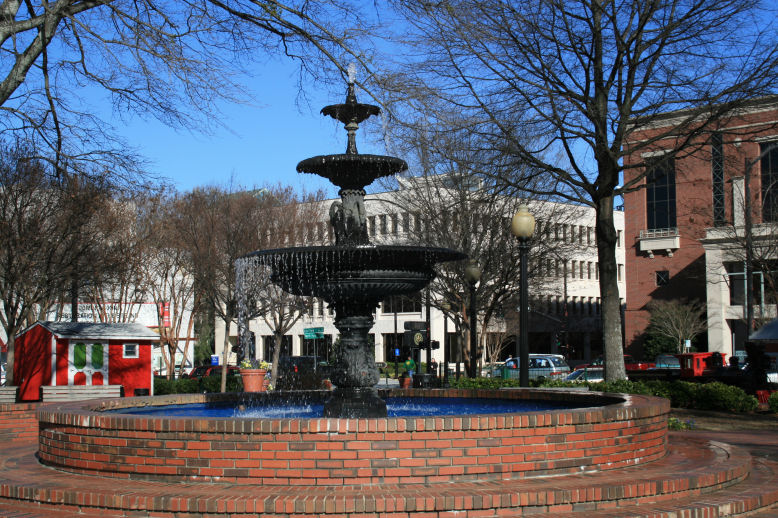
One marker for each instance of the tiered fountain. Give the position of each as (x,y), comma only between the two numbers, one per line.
(354,275)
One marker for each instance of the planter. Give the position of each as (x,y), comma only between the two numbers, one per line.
(253,380)
(405,382)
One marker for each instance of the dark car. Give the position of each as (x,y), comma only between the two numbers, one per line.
(301,372)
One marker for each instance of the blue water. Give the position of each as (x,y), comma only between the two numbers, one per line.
(396,407)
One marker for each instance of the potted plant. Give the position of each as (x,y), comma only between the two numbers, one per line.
(253,374)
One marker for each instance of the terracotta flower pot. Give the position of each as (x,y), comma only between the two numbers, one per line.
(253,380)
(405,382)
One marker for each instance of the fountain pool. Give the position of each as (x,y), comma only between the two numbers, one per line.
(605,432)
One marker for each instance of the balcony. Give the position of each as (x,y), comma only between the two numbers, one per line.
(659,240)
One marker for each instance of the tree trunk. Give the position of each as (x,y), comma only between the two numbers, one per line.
(225,354)
(10,360)
(613,349)
(277,340)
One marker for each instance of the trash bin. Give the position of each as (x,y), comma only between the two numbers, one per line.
(141,392)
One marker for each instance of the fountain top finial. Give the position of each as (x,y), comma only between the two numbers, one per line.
(351,113)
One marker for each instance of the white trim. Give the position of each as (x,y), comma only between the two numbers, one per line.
(124,351)
(651,154)
(53,360)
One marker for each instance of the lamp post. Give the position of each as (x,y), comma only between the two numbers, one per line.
(472,276)
(446,307)
(522,226)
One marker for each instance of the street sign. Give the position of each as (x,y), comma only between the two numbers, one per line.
(313,333)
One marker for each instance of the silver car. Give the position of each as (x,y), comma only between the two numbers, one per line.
(551,366)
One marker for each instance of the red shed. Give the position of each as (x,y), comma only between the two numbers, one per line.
(83,353)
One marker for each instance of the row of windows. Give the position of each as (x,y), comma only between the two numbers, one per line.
(397,304)
(575,234)
(661,195)
(556,305)
(574,269)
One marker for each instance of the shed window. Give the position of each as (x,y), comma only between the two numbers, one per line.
(130,351)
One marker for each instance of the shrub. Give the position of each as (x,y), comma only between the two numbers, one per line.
(718,396)
(772,402)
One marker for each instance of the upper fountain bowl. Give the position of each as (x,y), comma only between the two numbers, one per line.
(351,171)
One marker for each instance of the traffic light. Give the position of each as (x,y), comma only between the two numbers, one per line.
(434,344)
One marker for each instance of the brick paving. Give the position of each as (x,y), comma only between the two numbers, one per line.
(699,477)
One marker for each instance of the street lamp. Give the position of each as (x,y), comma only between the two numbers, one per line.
(446,307)
(522,226)
(472,276)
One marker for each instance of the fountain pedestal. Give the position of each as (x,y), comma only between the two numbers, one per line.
(355,374)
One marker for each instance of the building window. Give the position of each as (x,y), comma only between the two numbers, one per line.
(621,272)
(402,304)
(371,225)
(662,278)
(130,351)
(382,220)
(589,270)
(618,238)
(417,222)
(406,221)
(769,181)
(660,196)
(717,172)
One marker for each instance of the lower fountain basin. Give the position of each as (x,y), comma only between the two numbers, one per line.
(608,431)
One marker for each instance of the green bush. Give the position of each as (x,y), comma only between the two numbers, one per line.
(772,402)
(718,396)
(164,386)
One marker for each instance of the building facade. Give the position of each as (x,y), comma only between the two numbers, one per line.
(685,226)
(564,291)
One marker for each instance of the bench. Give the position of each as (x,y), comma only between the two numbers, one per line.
(80,392)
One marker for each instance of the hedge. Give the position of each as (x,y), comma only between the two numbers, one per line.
(682,394)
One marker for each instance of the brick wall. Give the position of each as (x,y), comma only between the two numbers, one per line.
(18,422)
(359,451)
(694,212)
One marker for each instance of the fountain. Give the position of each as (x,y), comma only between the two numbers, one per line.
(354,275)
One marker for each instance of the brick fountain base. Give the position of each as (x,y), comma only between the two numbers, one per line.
(613,459)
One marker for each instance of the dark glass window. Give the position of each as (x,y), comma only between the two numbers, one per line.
(660,195)
(769,181)
(662,278)
(402,304)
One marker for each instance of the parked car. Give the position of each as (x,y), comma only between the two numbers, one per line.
(301,372)
(593,374)
(667,361)
(540,366)
(629,364)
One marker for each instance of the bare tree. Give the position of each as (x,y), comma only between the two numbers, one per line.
(559,87)
(460,210)
(173,60)
(285,218)
(677,320)
(47,228)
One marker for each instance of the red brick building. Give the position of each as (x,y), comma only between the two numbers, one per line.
(692,202)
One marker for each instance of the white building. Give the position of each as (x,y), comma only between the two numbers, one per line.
(564,290)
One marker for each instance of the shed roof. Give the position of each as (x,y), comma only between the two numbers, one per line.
(93,330)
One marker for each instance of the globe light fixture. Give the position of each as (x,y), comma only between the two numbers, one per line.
(522,226)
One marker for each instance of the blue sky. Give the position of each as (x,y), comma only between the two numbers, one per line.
(261,143)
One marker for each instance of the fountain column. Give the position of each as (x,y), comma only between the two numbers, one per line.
(355,374)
